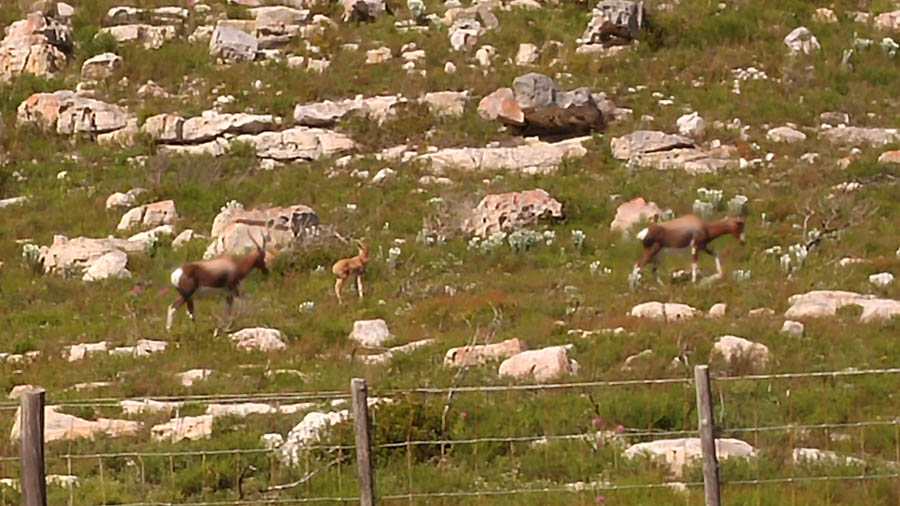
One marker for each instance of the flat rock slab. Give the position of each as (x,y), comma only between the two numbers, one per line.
(642,142)
(67,113)
(480,354)
(857,136)
(61,426)
(66,255)
(185,427)
(667,312)
(677,453)
(825,303)
(533,157)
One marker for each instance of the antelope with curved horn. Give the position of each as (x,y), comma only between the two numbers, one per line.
(353,266)
(223,273)
(688,231)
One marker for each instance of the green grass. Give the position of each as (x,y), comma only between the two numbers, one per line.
(539,294)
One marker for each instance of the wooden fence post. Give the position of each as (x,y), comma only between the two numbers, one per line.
(707,436)
(363,444)
(31,447)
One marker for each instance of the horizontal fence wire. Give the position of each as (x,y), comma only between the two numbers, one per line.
(803,479)
(816,426)
(817,374)
(339,395)
(488,439)
(335,395)
(573,488)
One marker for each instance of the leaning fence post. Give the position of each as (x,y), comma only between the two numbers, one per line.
(707,437)
(31,447)
(363,444)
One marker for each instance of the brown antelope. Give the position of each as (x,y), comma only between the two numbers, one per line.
(688,231)
(221,274)
(353,266)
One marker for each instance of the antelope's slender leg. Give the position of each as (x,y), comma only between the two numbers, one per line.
(190,308)
(716,256)
(694,267)
(171,313)
(337,289)
(359,285)
(649,254)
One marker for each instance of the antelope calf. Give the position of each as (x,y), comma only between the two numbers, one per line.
(688,231)
(353,266)
(221,274)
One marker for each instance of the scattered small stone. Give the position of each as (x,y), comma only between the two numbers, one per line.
(801,40)
(733,348)
(188,378)
(785,134)
(792,328)
(380,55)
(258,338)
(718,310)
(691,125)
(541,365)
(667,312)
(881,279)
(370,333)
(527,54)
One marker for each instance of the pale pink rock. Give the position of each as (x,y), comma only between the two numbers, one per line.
(189,377)
(150,215)
(66,113)
(511,211)
(479,354)
(635,211)
(677,453)
(825,303)
(65,254)
(533,157)
(236,230)
(733,348)
(501,104)
(543,365)
(187,427)
(101,66)
(59,426)
(667,312)
(258,338)
(36,45)
(370,333)
(718,310)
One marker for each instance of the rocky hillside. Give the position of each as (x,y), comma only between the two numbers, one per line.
(500,159)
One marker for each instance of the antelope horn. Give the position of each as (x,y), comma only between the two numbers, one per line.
(263,247)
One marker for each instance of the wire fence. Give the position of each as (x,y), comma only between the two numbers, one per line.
(593,461)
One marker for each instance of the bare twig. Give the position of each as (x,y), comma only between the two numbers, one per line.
(460,373)
(306,477)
